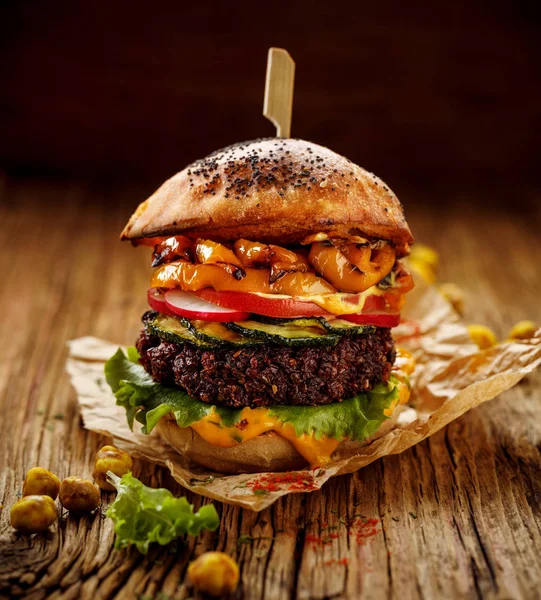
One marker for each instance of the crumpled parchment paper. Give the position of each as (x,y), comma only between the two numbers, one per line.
(452,376)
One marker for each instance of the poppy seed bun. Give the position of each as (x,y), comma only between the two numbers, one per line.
(271,190)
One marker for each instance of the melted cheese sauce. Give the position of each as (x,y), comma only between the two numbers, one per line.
(256,421)
(402,368)
(335,304)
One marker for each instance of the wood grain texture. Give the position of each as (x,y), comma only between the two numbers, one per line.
(457,516)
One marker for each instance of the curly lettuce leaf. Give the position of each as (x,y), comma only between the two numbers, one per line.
(143,515)
(148,401)
(356,418)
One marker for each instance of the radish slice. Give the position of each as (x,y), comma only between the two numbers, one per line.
(188,305)
(156,300)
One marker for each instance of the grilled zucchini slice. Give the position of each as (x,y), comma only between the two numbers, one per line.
(315,321)
(313,331)
(172,329)
(214,333)
(344,327)
(205,334)
(334,326)
(286,334)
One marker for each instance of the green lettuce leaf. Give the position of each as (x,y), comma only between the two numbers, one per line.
(356,418)
(148,401)
(143,515)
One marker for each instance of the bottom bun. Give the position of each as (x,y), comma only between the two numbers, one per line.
(267,452)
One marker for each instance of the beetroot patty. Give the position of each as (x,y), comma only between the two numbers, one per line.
(270,374)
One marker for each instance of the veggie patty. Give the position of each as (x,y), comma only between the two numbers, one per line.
(270,374)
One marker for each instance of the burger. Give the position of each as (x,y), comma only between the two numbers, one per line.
(267,345)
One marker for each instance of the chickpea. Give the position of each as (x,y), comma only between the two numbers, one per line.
(32,514)
(79,495)
(482,335)
(40,482)
(425,254)
(522,330)
(112,459)
(423,269)
(214,573)
(424,261)
(454,295)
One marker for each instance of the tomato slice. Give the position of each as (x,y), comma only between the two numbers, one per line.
(378,320)
(375,304)
(269,307)
(290,308)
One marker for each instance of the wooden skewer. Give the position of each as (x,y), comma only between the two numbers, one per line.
(278,103)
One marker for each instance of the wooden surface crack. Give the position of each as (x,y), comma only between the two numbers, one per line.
(484,550)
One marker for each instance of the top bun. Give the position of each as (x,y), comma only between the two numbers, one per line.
(272,190)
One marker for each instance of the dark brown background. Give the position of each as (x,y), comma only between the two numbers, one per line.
(135,90)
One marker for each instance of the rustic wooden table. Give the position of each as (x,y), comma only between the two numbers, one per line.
(458,516)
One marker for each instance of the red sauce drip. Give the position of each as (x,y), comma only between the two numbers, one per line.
(334,561)
(274,482)
(412,332)
(363,529)
(360,529)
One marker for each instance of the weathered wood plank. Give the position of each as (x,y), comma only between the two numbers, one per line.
(459,515)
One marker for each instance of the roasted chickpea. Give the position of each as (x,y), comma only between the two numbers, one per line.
(425,254)
(423,269)
(522,330)
(214,573)
(32,514)
(112,459)
(79,495)
(454,295)
(424,261)
(482,335)
(40,482)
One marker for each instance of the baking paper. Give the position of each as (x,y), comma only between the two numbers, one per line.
(451,377)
